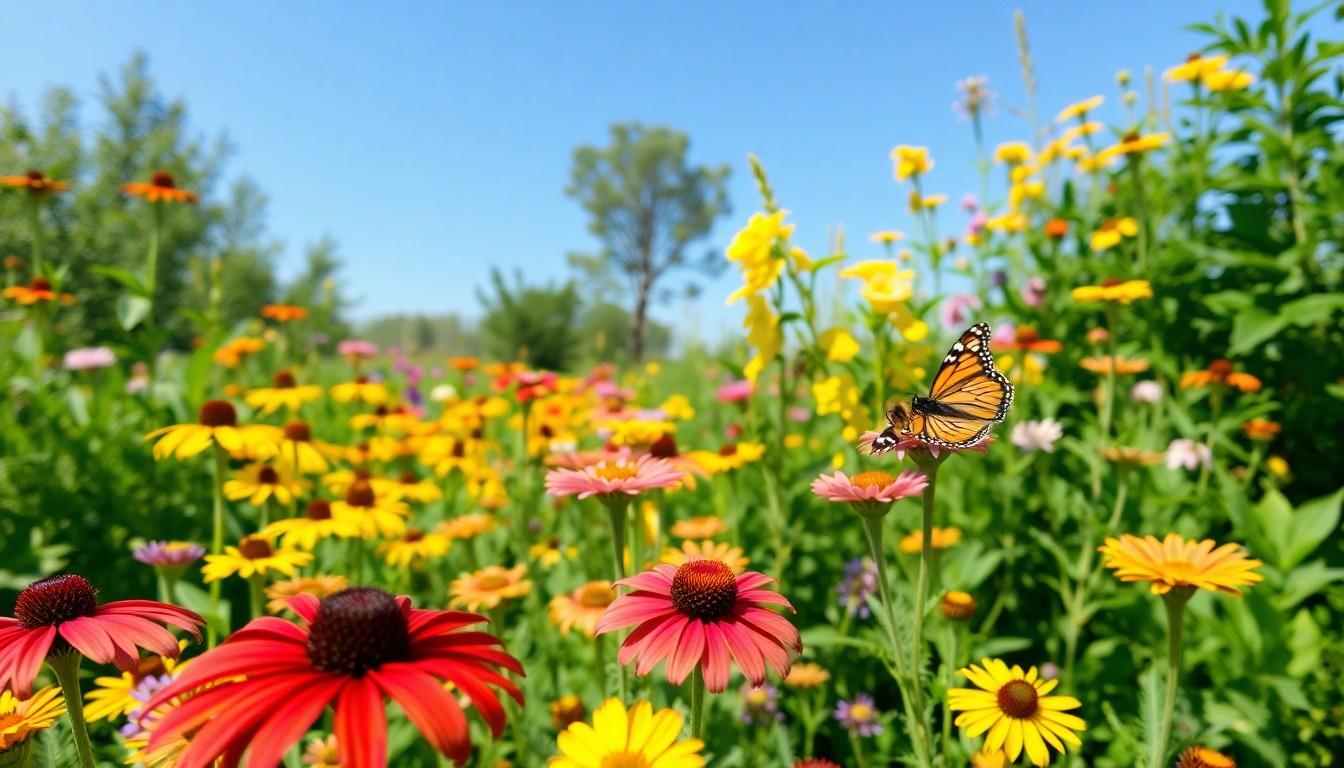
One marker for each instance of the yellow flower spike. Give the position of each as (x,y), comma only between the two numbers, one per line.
(1013,153)
(910,161)
(753,249)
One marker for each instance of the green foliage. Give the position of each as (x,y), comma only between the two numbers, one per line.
(647,205)
(531,323)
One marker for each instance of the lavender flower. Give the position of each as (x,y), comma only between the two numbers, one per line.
(760,706)
(169,554)
(859,584)
(859,716)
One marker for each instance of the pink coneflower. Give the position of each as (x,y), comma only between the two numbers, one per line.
(1033,291)
(357,349)
(89,359)
(611,477)
(870,492)
(700,615)
(169,553)
(734,392)
(912,443)
(62,612)
(957,308)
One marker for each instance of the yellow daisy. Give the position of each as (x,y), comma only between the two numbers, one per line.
(371,513)
(582,608)
(20,718)
(1079,109)
(706,550)
(699,528)
(284,394)
(258,483)
(1121,291)
(414,548)
(807,675)
(1176,563)
(910,161)
(468,526)
(217,423)
(635,737)
(549,553)
(1015,709)
(1112,232)
(254,556)
(279,592)
(316,524)
(361,389)
(299,447)
(323,753)
(939,538)
(489,586)
(410,486)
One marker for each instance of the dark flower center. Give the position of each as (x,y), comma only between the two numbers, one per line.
(150,666)
(298,431)
(728,450)
(255,548)
(318,509)
(663,448)
(380,411)
(704,589)
(1017,698)
(409,478)
(413,535)
(356,630)
(361,379)
(40,284)
(1111,282)
(284,380)
(218,413)
(36,176)
(360,494)
(1027,335)
(363,473)
(55,599)
(268,476)
(1220,367)
(459,449)
(162,179)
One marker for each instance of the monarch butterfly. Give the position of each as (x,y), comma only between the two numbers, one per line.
(967,398)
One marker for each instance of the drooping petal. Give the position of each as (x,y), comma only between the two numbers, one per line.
(361,725)
(687,653)
(433,710)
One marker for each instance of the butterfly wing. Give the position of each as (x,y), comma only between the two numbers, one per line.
(967,382)
(949,431)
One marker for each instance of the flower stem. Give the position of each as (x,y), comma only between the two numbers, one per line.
(255,592)
(35,214)
(616,509)
(217,537)
(66,667)
(1175,604)
(697,703)
(922,597)
(856,742)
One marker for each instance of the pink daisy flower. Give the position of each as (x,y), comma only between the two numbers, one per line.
(702,615)
(612,477)
(870,491)
(912,443)
(734,391)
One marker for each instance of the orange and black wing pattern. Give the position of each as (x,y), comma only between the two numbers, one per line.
(967,381)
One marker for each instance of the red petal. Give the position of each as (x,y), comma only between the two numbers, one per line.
(687,654)
(361,725)
(22,652)
(717,667)
(429,706)
(91,639)
(304,606)
(276,735)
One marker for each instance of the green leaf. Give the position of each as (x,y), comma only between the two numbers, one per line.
(1274,524)
(193,598)
(828,637)
(1252,328)
(131,310)
(1000,646)
(1312,310)
(123,276)
(1305,581)
(1312,523)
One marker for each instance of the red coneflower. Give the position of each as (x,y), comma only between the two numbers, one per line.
(36,182)
(699,615)
(160,188)
(61,612)
(358,646)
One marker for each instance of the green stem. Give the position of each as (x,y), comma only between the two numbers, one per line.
(255,595)
(697,703)
(35,218)
(152,258)
(880,362)
(922,595)
(66,667)
(856,742)
(1175,604)
(217,537)
(616,509)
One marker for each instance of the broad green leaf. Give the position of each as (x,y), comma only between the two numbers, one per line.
(123,276)
(131,310)
(1252,328)
(1313,521)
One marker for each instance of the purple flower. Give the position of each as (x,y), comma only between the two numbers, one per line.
(978,222)
(89,358)
(859,716)
(169,553)
(760,705)
(957,307)
(970,203)
(859,584)
(998,278)
(357,348)
(143,692)
(1033,291)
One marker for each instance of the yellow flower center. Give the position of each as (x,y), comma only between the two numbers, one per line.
(595,596)
(1018,699)
(492,582)
(861,713)
(871,479)
(616,471)
(624,760)
(1179,572)
(10,719)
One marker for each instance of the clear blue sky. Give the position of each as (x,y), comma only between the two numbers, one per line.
(433,139)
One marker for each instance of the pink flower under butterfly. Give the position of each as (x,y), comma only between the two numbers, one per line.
(614,476)
(702,615)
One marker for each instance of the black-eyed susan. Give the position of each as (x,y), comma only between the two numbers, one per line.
(300,451)
(707,550)
(373,514)
(34,183)
(550,552)
(412,486)
(278,593)
(360,389)
(21,718)
(489,586)
(216,424)
(581,608)
(940,538)
(161,188)
(984,759)
(1015,710)
(314,525)
(1203,757)
(1112,232)
(1133,143)
(114,697)
(232,353)
(1174,563)
(284,393)
(1195,67)
(1220,373)
(414,547)
(1114,290)
(566,710)
(39,291)
(1228,80)
(254,556)
(635,738)
(258,483)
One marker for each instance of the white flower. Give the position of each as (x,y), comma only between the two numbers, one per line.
(1146,391)
(443,393)
(1041,435)
(1189,455)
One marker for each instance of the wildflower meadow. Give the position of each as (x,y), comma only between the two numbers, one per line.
(1046,473)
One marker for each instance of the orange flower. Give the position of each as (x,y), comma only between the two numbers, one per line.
(1056,229)
(463,363)
(38,291)
(1026,338)
(1220,372)
(159,189)
(1122,365)
(35,182)
(1261,430)
(283,313)
(698,528)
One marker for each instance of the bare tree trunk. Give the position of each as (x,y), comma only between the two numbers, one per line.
(637,322)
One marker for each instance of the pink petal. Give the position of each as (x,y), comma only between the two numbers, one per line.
(743,647)
(717,668)
(687,652)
